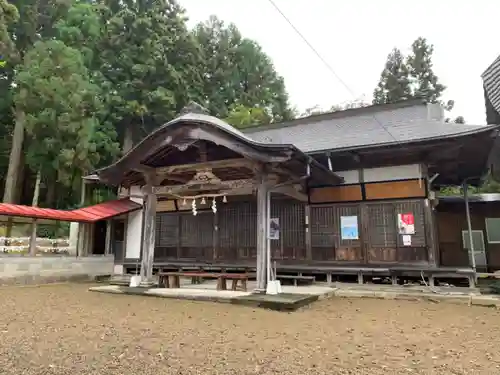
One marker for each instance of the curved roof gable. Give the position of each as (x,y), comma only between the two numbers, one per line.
(194,124)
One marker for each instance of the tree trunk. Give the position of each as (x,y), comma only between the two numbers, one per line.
(51,193)
(128,139)
(10,192)
(23,177)
(36,195)
(14,159)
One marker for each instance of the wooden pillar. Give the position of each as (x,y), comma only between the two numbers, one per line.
(430,233)
(262,195)
(124,243)
(32,244)
(83,239)
(363,220)
(36,194)
(148,235)
(81,242)
(307,228)
(215,240)
(109,226)
(179,235)
(88,230)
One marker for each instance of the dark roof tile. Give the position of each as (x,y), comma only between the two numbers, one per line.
(400,125)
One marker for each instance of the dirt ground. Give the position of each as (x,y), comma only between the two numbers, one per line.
(64,329)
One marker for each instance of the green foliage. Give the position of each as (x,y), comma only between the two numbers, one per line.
(85,74)
(82,28)
(490,185)
(60,102)
(410,77)
(59,229)
(148,58)
(243,117)
(8,17)
(236,72)
(394,84)
(425,83)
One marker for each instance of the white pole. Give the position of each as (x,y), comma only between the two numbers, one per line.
(469,228)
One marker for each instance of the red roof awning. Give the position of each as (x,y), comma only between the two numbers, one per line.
(90,214)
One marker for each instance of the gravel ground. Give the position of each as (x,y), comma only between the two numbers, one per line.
(64,329)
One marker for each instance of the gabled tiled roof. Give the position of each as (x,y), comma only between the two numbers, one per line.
(363,128)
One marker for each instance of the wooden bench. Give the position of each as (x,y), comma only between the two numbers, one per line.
(172,279)
(296,279)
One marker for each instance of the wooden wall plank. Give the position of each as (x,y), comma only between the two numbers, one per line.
(348,193)
(165,206)
(396,190)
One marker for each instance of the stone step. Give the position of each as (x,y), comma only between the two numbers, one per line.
(120,280)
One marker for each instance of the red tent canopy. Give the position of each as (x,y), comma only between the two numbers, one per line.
(89,214)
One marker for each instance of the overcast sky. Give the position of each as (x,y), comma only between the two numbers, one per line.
(355,36)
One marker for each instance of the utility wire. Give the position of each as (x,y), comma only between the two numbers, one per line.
(328,66)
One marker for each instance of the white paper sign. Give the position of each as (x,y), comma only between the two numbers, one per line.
(274,229)
(349,228)
(406,223)
(406,240)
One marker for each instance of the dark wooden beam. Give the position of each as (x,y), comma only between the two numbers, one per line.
(292,192)
(227,163)
(241,148)
(275,167)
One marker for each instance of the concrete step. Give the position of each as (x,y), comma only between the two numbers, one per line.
(120,280)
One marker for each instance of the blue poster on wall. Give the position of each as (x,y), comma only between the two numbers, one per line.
(349,228)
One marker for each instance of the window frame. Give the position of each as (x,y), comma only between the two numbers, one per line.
(487,231)
(482,237)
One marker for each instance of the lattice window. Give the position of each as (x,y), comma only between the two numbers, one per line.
(417,209)
(237,225)
(167,229)
(197,231)
(322,224)
(291,217)
(381,225)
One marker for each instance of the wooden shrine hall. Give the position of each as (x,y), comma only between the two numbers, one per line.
(197,158)
(336,191)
